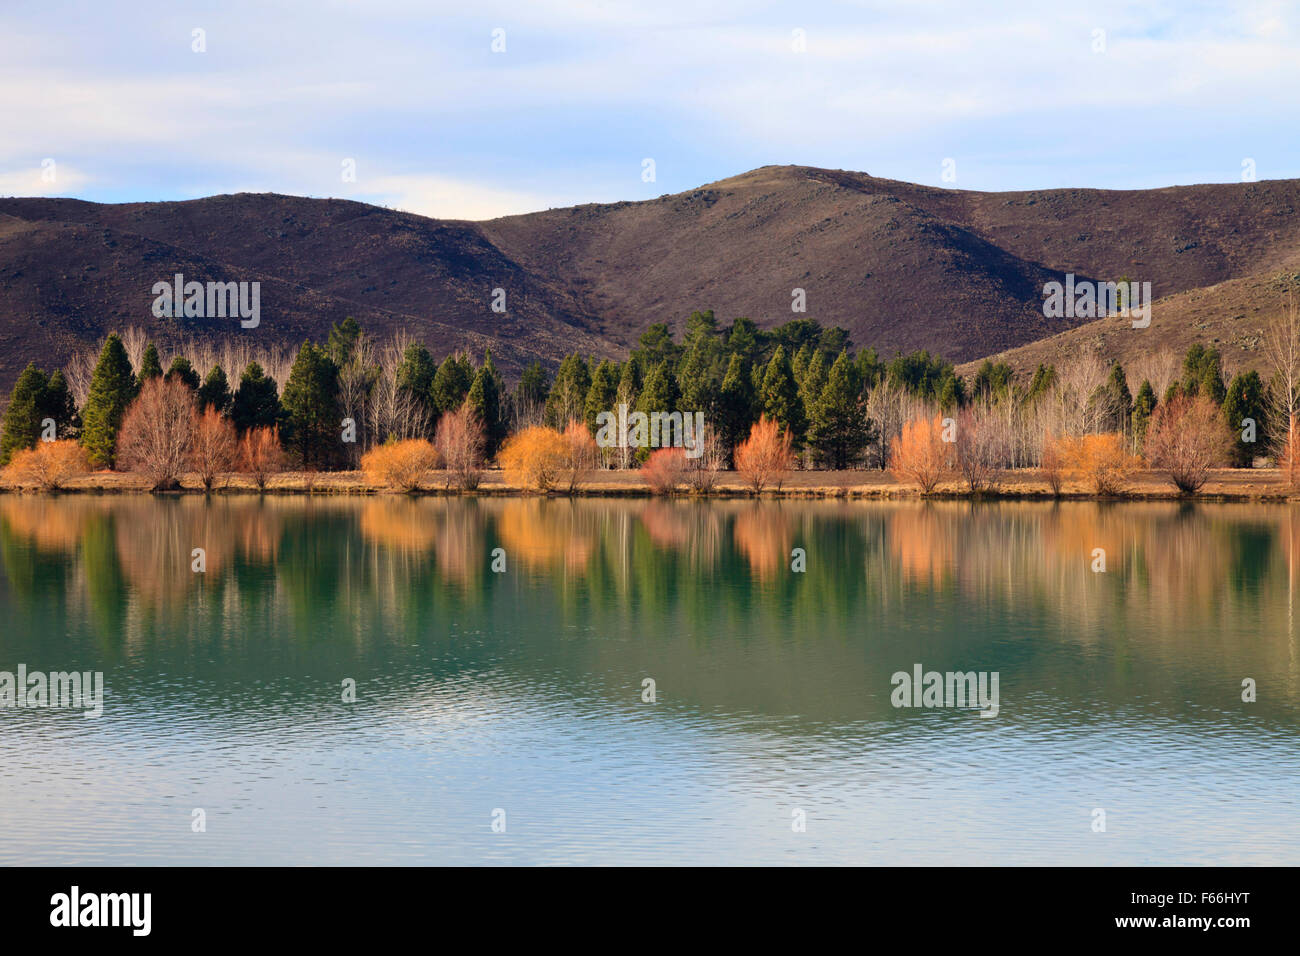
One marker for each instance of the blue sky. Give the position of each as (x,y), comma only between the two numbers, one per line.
(1019,95)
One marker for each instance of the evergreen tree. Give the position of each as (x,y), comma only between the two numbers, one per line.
(450,385)
(568,396)
(256,402)
(311,406)
(415,377)
(700,373)
(779,396)
(1043,381)
(112,387)
(485,398)
(22,428)
(1143,407)
(1246,400)
(952,392)
(603,394)
(811,383)
(215,391)
(57,403)
(736,405)
(533,387)
(839,430)
(342,343)
(150,365)
(183,370)
(1203,374)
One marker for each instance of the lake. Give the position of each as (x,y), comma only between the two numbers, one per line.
(503,716)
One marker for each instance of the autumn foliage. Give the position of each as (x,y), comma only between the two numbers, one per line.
(461,442)
(1100,461)
(583,453)
(766,456)
(1188,437)
(400,465)
(261,455)
(664,470)
(535,457)
(215,446)
(919,454)
(157,432)
(48,466)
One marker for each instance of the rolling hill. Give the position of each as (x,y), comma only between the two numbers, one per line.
(901,266)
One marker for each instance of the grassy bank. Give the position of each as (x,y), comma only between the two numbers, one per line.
(1258,484)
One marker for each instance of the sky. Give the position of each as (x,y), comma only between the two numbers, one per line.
(480,109)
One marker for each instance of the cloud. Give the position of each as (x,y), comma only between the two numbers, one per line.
(49,179)
(445,198)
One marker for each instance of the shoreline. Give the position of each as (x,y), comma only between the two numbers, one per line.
(1226,484)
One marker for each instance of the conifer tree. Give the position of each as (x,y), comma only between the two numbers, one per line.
(311,406)
(150,365)
(112,387)
(779,396)
(22,428)
(256,402)
(215,391)
(838,429)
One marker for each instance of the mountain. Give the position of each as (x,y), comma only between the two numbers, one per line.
(901,266)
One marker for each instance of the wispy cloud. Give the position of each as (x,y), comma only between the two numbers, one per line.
(1017,93)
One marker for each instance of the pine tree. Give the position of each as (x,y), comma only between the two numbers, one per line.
(57,403)
(602,395)
(839,429)
(215,391)
(532,387)
(182,369)
(256,402)
(311,406)
(150,366)
(22,428)
(779,396)
(736,404)
(450,385)
(342,343)
(1144,405)
(415,377)
(568,395)
(485,398)
(1246,401)
(112,387)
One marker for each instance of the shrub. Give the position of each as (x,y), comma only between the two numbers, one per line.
(1100,460)
(1052,463)
(157,432)
(664,470)
(401,465)
(766,455)
(461,441)
(582,452)
(215,445)
(1188,437)
(535,457)
(920,454)
(260,454)
(48,466)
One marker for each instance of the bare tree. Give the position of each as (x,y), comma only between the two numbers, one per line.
(157,432)
(135,340)
(215,446)
(461,441)
(1282,347)
(78,373)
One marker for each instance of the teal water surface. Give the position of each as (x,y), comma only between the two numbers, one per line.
(771,739)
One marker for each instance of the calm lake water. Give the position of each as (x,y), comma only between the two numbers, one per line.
(522,691)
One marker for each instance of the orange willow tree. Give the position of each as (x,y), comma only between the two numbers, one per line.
(48,466)
(919,454)
(535,457)
(766,456)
